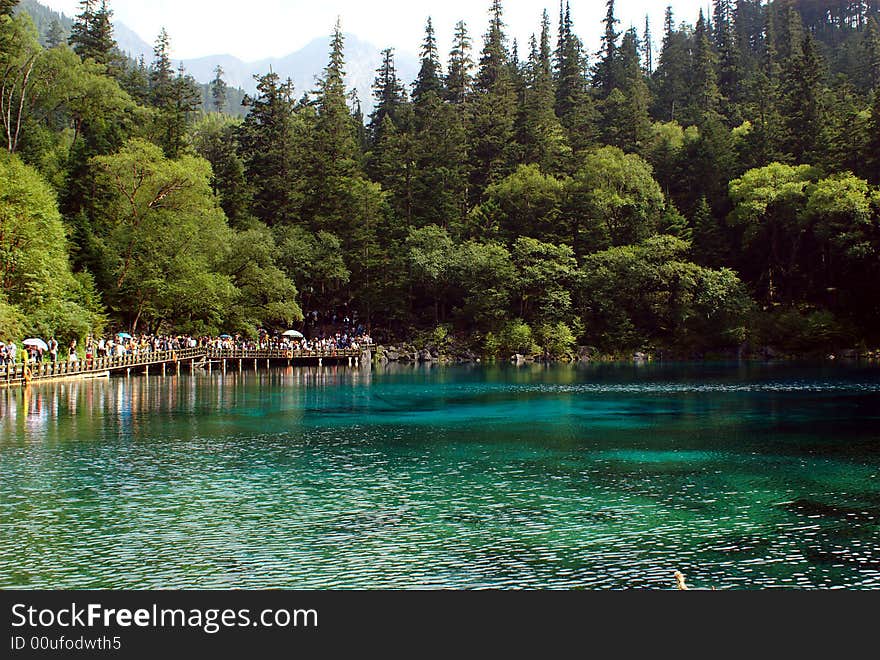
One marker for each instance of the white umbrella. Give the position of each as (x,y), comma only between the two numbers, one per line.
(39,343)
(294,334)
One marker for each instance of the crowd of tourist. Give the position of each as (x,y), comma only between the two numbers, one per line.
(35,351)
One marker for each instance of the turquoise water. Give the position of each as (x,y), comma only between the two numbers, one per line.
(428,477)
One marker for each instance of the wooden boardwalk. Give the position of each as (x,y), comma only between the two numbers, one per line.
(171,362)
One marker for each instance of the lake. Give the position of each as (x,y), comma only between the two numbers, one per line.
(742,476)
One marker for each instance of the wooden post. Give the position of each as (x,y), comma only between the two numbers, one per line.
(267,363)
(163,369)
(239,365)
(255,364)
(147,371)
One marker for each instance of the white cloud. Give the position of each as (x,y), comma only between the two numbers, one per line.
(267,28)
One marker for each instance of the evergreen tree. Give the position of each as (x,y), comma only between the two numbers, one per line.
(706,97)
(574,106)
(7,7)
(459,77)
(430,78)
(269,151)
(219,90)
(726,47)
(709,246)
(56,35)
(540,132)
(805,105)
(764,143)
(607,74)
(672,77)
(335,145)
(175,97)
(628,125)
(388,93)
(649,47)
(81,32)
(494,110)
(92,33)
(873,147)
(102,40)
(161,71)
(871,58)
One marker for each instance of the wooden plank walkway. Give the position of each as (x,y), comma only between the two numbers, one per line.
(170,361)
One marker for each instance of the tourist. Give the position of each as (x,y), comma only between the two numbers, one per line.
(53,349)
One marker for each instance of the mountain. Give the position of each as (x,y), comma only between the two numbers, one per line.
(303,66)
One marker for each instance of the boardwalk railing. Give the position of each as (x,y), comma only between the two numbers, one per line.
(21,372)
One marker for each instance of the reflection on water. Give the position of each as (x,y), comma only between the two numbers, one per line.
(741,476)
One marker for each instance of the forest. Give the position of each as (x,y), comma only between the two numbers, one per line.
(713,190)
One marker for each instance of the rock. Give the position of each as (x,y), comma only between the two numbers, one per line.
(392,355)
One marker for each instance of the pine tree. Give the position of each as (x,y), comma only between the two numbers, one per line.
(649,47)
(873,148)
(429,80)
(7,7)
(764,143)
(607,74)
(102,39)
(81,31)
(635,125)
(219,90)
(185,99)
(672,77)
(726,47)
(574,105)
(175,97)
(494,109)
(92,33)
(540,133)
(56,35)
(804,114)
(335,142)
(459,76)
(388,93)
(161,71)
(706,96)
(871,49)
(269,151)
(709,247)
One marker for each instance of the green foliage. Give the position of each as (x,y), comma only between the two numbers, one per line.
(556,340)
(163,237)
(313,261)
(265,294)
(514,337)
(613,200)
(648,295)
(38,292)
(496,193)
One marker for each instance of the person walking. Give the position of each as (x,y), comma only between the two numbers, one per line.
(53,350)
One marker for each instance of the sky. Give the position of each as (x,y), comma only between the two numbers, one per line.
(259,29)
